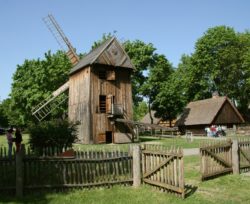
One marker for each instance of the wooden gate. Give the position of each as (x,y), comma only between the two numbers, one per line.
(244,155)
(163,168)
(216,159)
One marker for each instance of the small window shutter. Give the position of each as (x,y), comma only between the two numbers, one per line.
(109,102)
(110,75)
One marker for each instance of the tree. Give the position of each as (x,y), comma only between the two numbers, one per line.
(140,111)
(220,63)
(142,57)
(4,112)
(159,73)
(34,80)
(171,99)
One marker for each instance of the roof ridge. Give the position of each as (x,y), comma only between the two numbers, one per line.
(104,47)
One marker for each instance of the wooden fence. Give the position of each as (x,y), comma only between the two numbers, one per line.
(244,155)
(225,157)
(85,169)
(216,159)
(163,168)
(7,171)
(27,172)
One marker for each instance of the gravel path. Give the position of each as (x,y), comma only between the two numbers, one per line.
(191,151)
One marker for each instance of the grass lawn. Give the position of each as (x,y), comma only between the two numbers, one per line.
(175,141)
(225,189)
(3,140)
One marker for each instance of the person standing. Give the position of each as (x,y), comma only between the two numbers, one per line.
(18,139)
(10,141)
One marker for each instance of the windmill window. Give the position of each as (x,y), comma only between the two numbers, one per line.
(102,104)
(102,75)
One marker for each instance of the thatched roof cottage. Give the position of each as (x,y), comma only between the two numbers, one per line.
(203,113)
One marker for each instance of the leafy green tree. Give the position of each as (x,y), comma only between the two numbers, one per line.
(159,73)
(140,111)
(34,80)
(220,64)
(142,56)
(171,99)
(4,112)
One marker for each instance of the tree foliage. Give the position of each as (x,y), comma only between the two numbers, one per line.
(52,134)
(34,80)
(220,62)
(140,111)
(142,57)
(4,113)
(159,73)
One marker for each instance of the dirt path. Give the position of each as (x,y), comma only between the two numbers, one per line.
(191,151)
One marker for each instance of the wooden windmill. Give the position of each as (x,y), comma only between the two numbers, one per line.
(99,91)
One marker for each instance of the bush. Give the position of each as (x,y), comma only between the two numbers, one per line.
(52,134)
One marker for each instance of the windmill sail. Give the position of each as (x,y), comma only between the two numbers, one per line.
(61,38)
(44,108)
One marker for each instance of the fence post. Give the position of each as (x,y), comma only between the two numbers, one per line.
(136,166)
(235,157)
(19,171)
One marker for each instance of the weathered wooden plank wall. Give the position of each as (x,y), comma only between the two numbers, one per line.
(80,104)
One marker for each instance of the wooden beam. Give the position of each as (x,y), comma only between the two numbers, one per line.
(219,158)
(164,185)
(157,167)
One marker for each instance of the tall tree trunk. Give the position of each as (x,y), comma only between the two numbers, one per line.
(150,113)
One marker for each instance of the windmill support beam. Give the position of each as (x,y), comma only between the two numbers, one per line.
(43,109)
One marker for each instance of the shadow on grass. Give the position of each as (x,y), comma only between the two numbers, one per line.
(148,138)
(42,196)
(190,190)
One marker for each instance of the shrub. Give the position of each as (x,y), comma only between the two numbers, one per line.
(52,134)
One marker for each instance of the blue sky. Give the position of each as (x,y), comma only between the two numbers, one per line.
(173,26)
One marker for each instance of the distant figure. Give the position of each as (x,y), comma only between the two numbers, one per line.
(10,141)
(208,131)
(213,130)
(18,139)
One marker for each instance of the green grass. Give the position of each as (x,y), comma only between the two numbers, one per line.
(3,140)
(175,141)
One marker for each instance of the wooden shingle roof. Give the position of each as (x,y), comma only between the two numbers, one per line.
(204,112)
(109,53)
